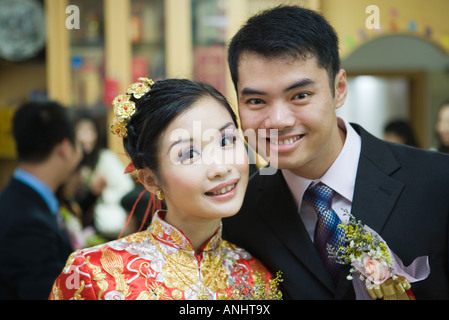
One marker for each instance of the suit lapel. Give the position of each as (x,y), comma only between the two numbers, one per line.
(375,192)
(375,196)
(281,216)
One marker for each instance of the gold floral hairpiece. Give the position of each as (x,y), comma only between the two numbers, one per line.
(124,108)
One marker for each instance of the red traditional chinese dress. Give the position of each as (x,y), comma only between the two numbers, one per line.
(160,263)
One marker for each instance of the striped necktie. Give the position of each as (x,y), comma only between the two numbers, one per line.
(326,232)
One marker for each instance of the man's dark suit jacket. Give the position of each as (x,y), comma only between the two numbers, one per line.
(400,192)
(33,249)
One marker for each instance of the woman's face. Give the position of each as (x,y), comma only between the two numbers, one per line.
(443,125)
(87,135)
(203,163)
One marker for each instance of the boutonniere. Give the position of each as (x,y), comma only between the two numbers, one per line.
(376,272)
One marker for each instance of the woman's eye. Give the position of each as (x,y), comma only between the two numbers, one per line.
(188,155)
(228,140)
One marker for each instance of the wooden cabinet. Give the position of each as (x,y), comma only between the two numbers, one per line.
(120,40)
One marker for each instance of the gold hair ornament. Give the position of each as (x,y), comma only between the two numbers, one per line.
(124,108)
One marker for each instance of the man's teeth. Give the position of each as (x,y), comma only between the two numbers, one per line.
(286,141)
(223,190)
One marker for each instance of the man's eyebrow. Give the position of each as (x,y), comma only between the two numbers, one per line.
(250,92)
(298,84)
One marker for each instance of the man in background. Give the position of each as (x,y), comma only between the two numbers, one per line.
(33,245)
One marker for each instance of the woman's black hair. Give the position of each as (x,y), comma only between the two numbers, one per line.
(287,30)
(166,100)
(97,118)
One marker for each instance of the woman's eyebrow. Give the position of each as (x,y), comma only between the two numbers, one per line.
(226,126)
(191,139)
(180,141)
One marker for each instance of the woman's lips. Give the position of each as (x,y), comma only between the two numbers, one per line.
(224,190)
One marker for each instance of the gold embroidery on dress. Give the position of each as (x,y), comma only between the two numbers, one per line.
(180,270)
(136,237)
(113,264)
(213,274)
(180,240)
(175,235)
(176,294)
(156,227)
(222,295)
(214,242)
(99,277)
(155,291)
(77,295)
(56,292)
(70,260)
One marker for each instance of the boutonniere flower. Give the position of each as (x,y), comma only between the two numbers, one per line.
(376,272)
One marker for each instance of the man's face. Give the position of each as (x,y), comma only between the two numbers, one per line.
(292,97)
(443,125)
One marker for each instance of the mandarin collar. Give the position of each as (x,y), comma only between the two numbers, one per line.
(168,234)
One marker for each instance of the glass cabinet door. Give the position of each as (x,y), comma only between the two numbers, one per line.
(87,55)
(209,37)
(147,37)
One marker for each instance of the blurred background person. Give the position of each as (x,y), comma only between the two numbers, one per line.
(400,131)
(442,128)
(103,181)
(72,214)
(33,243)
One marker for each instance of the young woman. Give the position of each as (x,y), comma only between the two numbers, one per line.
(182,139)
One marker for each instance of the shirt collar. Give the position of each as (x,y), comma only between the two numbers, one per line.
(170,235)
(342,173)
(40,187)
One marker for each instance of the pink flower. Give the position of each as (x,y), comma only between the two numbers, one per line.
(375,270)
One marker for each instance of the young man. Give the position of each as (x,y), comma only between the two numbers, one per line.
(285,67)
(33,247)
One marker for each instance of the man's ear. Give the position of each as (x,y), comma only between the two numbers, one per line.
(341,88)
(148,179)
(65,149)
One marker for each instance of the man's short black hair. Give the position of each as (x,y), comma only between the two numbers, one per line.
(38,127)
(287,30)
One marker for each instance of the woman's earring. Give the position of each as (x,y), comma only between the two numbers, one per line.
(160,195)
